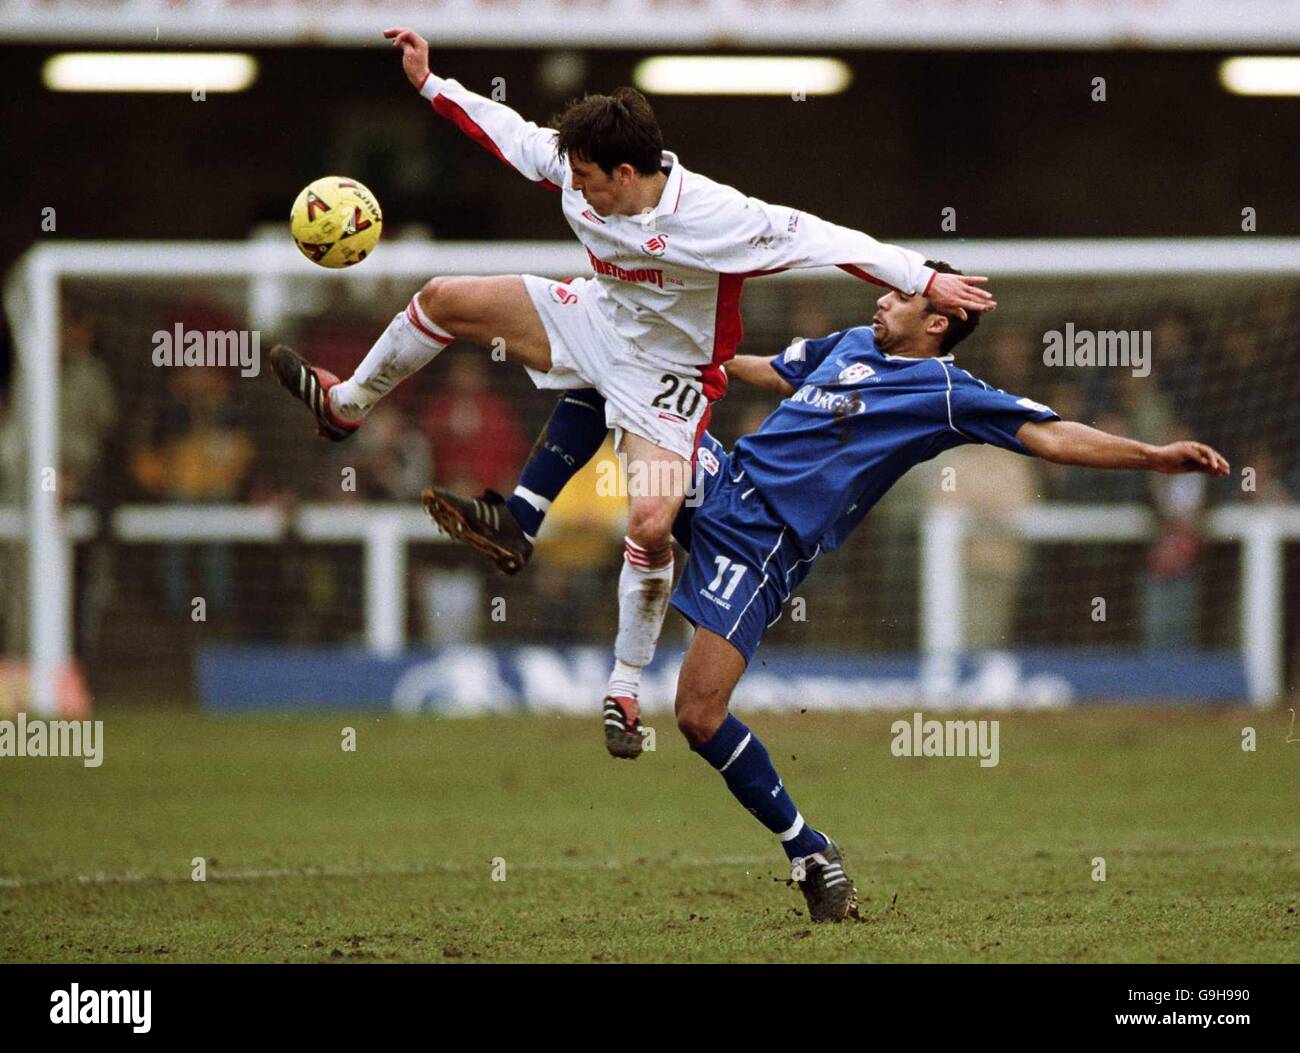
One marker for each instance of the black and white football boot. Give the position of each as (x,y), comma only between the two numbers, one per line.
(484,523)
(623,726)
(311,385)
(826,888)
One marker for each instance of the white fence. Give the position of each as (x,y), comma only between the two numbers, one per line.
(1261,533)
(384,532)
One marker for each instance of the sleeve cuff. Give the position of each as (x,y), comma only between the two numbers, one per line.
(789,363)
(783,370)
(431,87)
(928,274)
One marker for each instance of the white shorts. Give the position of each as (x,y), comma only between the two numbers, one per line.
(660,404)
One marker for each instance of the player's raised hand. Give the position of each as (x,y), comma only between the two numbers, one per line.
(1180,457)
(415,53)
(959,293)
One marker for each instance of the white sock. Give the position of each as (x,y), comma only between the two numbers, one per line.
(643,587)
(625,680)
(410,342)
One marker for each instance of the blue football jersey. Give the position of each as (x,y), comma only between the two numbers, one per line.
(858,420)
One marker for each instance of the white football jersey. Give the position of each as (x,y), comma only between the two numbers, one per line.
(670,280)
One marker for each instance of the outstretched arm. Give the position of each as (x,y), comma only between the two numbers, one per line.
(497,128)
(783,373)
(1068,442)
(748,236)
(758,371)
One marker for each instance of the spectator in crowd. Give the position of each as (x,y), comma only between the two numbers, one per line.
(200,454)
(477,445)
(87,408)
(1142,402)
(1009,365)
(886,564)
(992,489)
(1278,328)
(87,415)
(477,442)
(87,418)
(1259,479)
(1059,480)
(1252,396)
(1184,375)
(1113,488)
(11,451)
(809,316)
(390,455)
(10,556)
(1171,587)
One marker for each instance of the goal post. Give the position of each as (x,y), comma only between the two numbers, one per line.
(274,285)
(32,304)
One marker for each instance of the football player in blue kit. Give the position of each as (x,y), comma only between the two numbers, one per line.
(860,408)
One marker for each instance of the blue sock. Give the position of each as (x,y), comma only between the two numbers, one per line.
(747,770)
(571,438)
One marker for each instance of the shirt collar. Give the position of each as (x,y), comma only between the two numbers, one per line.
(672,192)
(917,358)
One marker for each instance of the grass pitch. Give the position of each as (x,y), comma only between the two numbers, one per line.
(387,853)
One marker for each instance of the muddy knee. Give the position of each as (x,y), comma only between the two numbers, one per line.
(650,523)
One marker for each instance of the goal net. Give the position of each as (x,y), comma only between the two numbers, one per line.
(170,529)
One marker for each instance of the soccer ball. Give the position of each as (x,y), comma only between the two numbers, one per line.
(335,222)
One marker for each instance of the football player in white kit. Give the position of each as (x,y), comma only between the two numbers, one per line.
(651,329)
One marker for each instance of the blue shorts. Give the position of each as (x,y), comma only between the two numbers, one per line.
(744,562)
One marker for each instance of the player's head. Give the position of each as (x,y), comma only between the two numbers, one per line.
(908,324)
(611,143)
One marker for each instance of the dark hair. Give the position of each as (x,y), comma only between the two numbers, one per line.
(958,329)
(610,130)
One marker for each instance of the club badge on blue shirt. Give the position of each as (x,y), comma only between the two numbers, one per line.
(857,372)
(707,460)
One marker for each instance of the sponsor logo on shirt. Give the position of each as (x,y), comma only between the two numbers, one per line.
(655,246)
(856,372)
(831,401)
(561,293)
(653,275)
